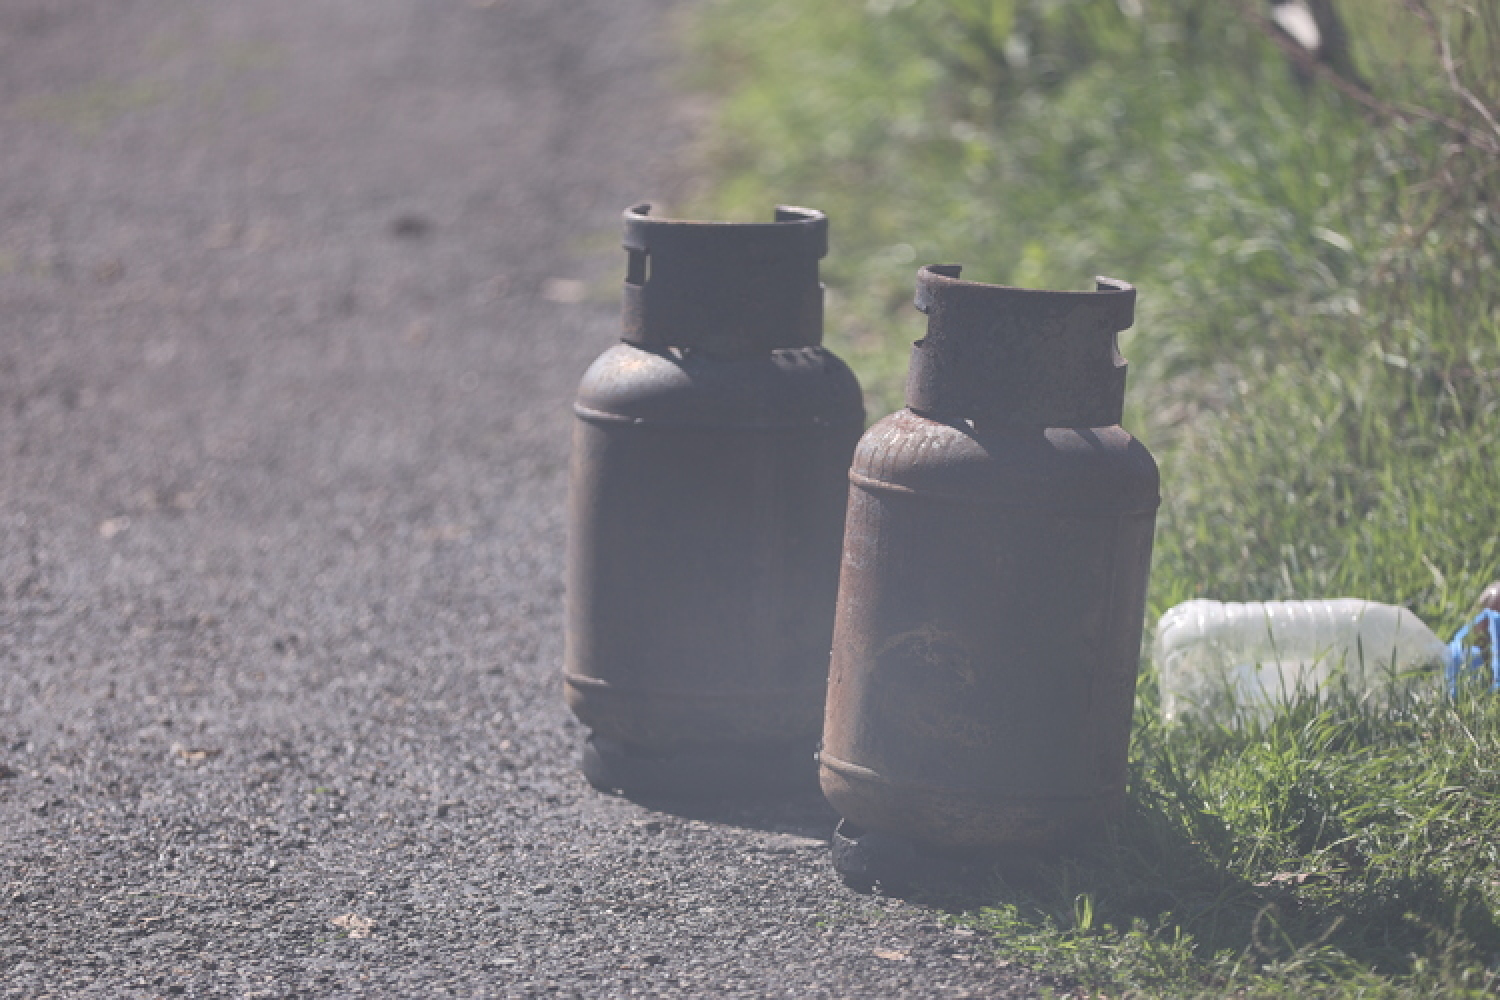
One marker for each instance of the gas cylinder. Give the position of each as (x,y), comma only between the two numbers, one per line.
(706,511)
(996,555)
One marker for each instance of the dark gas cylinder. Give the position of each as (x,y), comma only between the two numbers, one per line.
(996,556)
(706,511)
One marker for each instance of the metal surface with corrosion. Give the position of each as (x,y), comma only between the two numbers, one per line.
(996,555)
(706,509)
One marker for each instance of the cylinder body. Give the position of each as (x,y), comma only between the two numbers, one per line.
(994,582)
(707,501)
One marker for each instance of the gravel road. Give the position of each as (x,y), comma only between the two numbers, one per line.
(293,298)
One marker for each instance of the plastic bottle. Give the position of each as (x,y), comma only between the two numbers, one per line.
(1221,660)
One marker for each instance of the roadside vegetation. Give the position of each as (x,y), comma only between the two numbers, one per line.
(1315,363)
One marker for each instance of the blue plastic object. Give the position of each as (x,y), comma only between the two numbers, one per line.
(1475,647)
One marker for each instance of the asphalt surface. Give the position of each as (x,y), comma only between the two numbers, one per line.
(293,298)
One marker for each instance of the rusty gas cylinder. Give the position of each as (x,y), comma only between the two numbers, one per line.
(706,511)
(996,556)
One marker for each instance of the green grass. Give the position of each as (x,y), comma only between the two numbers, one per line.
(1316,364)
(1330,851)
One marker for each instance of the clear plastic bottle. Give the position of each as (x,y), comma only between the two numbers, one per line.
(1223,661)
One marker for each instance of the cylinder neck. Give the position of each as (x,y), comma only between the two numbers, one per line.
(730,289)
(1019,356)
